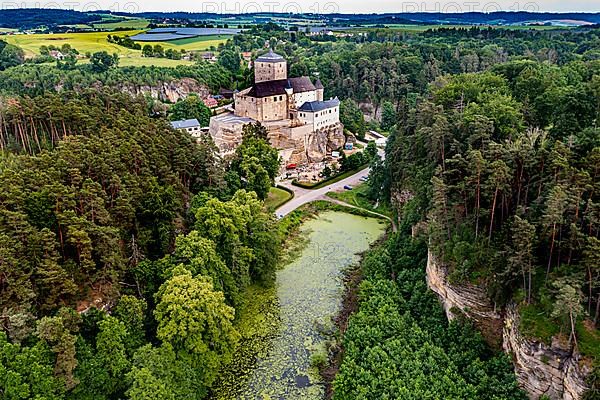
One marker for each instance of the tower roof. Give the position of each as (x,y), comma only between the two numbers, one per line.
(318,84)
(271,57)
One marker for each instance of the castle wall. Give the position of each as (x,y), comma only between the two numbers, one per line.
(320,94)
(246,106)
(299,132)
(304,97)
(261,109)
(321,119)
(273,108)
(269,71)
(306,117)
(327,118)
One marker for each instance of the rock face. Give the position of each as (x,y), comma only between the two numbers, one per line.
(541,370)
(469,300)
(322,142)
(171,91)
(297,144)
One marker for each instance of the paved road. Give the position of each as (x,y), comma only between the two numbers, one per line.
(304,196)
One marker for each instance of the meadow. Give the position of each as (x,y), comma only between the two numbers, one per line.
(131,23)
(97,41)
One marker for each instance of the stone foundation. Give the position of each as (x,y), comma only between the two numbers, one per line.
(297,144)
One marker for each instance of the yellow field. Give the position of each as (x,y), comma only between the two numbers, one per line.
(96,41)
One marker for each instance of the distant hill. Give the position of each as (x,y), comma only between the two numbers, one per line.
(29,18)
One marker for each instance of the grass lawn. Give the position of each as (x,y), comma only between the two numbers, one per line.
(328,181)
(277,197)
(97,41)
(151,61)
(83,42)
(358,197)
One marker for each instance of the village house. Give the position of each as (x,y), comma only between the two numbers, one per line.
(210,102)
(209,56)
(191,126)
(57,55)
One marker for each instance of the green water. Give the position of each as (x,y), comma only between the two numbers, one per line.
(308,293)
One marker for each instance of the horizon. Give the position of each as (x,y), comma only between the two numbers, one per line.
(320,7)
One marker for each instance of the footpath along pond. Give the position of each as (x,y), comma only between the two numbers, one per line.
(274,361)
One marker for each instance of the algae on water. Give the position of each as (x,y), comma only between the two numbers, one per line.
(274,361)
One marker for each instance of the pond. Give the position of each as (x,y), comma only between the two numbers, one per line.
(274,361)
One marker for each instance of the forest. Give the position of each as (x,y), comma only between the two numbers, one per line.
(126,247)
(400,345)
(106,208)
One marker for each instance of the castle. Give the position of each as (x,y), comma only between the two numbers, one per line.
(301,124)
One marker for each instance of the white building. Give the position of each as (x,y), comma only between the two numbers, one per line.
(191,126)
(321,114)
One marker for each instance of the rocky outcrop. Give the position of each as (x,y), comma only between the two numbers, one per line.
(541,369)
(322,142)
(166,91)
(171,91)
(467,299)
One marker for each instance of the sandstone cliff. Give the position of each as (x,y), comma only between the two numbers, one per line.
(468,299)
(322,142)
(308,146)
(171,91)
(541,369)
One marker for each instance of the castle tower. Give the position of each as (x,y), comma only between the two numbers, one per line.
(320,90)
(270,67)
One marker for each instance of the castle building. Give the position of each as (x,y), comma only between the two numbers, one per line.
(292,109)
(275,97)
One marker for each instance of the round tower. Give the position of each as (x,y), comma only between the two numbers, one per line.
(270,67)
(320,90)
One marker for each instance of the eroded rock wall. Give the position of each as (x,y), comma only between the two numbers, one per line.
(171,91)
(541,369)
(469,300)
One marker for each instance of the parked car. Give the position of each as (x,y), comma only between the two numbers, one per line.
(348,187)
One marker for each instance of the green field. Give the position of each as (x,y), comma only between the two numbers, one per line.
(358,198)
(277,197)
(132,23)
(97,41)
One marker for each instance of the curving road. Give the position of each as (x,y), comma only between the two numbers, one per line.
(304,196)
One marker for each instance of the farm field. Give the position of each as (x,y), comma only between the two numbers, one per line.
(97,41)
(132,23)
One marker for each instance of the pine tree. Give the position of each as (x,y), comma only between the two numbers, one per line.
(521,257)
